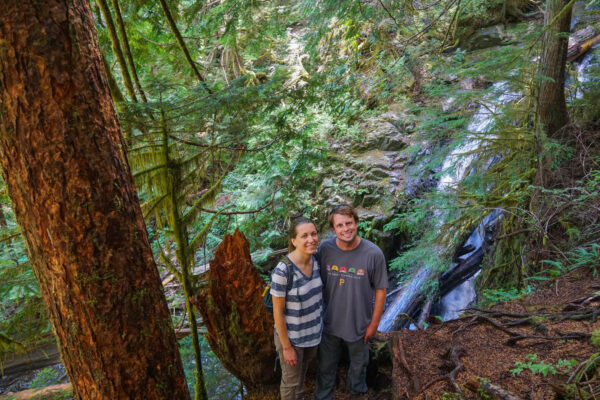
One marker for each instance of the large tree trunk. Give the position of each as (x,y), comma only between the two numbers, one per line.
(240,331)
(552,105)
(63,159)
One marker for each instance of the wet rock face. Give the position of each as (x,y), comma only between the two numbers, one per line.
(386,132)
(370,176)
(488,37)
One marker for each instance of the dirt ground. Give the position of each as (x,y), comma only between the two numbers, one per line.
(553,323)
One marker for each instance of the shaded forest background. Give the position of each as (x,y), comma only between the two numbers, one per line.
(243,114)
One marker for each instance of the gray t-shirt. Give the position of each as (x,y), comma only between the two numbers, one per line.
(350,279)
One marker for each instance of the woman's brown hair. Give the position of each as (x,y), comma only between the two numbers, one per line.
(292,231)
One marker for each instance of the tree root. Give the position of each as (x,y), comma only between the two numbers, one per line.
(518,336)
(579,314)
(581,303)
(455,354)
(400,359)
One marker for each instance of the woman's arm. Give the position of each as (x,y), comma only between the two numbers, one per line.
(289,354)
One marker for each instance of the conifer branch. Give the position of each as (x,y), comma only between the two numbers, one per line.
(127,48)
(182,44)
(116,46)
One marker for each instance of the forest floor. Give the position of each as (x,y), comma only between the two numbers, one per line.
(538,330)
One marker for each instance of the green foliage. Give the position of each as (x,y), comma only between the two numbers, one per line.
(596,338)
(46,377)
(451,396)
(22,313)
(220,384)
(541,367)
(493,296)
(555,269)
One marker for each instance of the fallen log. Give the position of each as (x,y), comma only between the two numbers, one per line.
(40,357)
(46,393)
(581,41)
(492,391)
(407,301)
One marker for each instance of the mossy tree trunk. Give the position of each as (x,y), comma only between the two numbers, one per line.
(552,105)
(240,331)
(64,165)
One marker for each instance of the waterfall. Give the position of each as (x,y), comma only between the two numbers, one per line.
(581,68)
(456,166)
(482,121)
(460,297)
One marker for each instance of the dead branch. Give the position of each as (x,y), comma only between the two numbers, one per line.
(455,355)
(493,391)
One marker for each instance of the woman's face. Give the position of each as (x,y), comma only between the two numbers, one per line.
(307,239)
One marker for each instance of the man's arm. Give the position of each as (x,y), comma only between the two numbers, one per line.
(377,311)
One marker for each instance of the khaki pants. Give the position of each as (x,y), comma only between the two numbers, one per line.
(292,378)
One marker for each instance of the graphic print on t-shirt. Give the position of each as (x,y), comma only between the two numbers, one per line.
(344,273)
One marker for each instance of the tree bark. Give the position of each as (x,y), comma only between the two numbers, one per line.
(63,160)
(240,331)
(552,105)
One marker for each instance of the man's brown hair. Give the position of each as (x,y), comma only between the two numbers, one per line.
(342,209)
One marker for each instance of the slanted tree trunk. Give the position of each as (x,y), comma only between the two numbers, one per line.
(240,331)
(552,106)
(63,160)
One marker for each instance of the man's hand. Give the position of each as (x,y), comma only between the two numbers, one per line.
(371,330)
(289,356)
(377,311)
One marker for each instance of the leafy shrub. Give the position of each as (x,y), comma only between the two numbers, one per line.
(45,377)
(541,367)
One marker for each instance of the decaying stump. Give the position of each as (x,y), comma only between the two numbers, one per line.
(240,331)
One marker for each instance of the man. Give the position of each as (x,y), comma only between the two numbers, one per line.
(354,272)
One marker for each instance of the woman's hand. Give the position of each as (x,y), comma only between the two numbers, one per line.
(289,356)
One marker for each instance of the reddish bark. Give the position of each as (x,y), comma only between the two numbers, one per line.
(61,151)
(240,331)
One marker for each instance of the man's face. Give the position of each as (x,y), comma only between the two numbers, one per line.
(345,228)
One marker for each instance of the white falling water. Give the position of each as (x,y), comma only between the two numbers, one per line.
(457,163)
(456,166)
(582,67)
(459,298)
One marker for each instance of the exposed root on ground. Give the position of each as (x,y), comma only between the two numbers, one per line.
(455,354)
(483,348)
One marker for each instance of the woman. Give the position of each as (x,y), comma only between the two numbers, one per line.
(297,312)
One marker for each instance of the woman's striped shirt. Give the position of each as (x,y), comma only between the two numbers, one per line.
(303,311)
